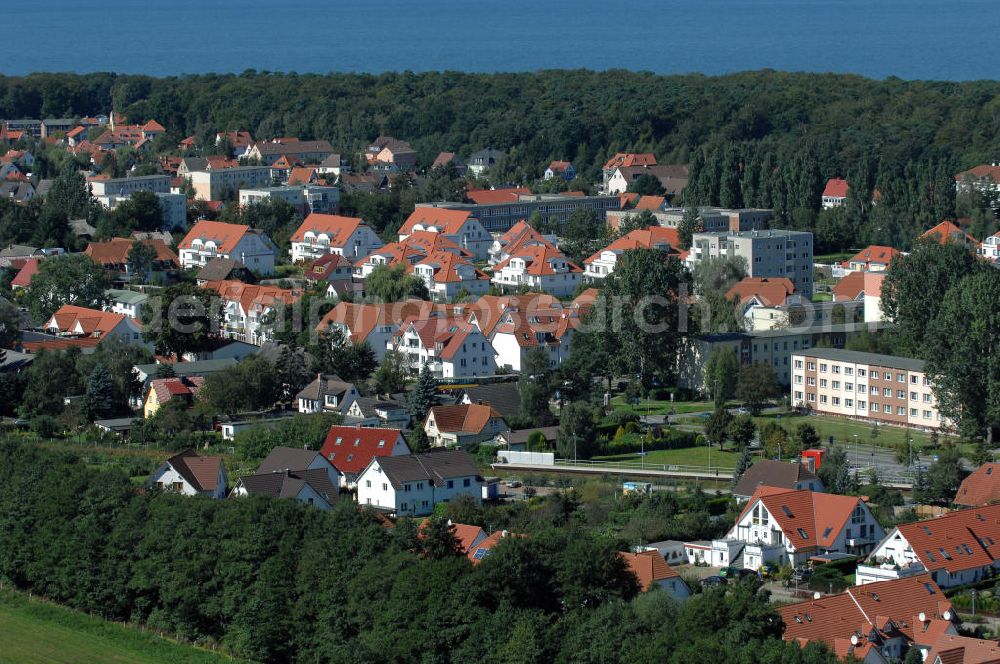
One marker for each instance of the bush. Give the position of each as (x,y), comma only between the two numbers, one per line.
(44,426)
(669,439)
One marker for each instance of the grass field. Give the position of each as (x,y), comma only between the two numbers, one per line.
(692,456)
(843,431)
(658,407)
(42,633)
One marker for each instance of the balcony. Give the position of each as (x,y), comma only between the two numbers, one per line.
(869,573)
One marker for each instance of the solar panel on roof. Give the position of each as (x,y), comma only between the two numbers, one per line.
(945,554)
(480,554)
(802,534)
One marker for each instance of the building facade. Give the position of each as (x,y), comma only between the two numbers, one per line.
(769,253)
(213,185)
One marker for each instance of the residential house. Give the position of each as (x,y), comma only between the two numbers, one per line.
(461,425)
(322,234)
(490,310)
(955,549)
(449,160)
(188,165)
(114,254)
(53,126)
(788,526)
(333,270)
(874,258)
(373,324)
(626,160)
(954,649)
(214,184)
(980,488)
(865,386)
(414,484)
(651,570)
(126,302)
(378,411)
(238,141)
(247,309)
(215,239)
(793,476)
(18,192)
(764,302)
(505,398)
(333,165)
(137,136)
(990,249)
(162,390)
(146,373)
(539,268)
(672,177)
(518,333)
(191,475)
(560,169)
(602,263)
(311,487)
(516,440)
(874,624)
(770,253)
(27,271)
(391,151)
(984,178)
(351,449)
(482,161)
(417,246)
(835,193)
(456,225)
(307,152)
(449,346)
(864,288)
(224,269)
(520,236)
(947,231)
(504,211)
(327,394)
(73,321)
(447,274)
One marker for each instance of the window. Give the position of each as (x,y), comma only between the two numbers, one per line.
(900,410)
(862,405)
(836,369)
(913,396)
(822,368)
(887,391)
(812,366)
(420,486)
(406,487)
(913,380)
(874,390)
(874,407)
(822,382)
(848,387)
(178,486)
(811,396)
(836,384)
(927,414)
(385,487)
(451,484)
(798,364)
(466,482)
(886,408)
(900,394)
(927,398)
(812,381)
(836,401)
(802,533)
(798,380)
(848,371)
(861,373)
(849,403)
(798,396)
(913,412)
(822,398)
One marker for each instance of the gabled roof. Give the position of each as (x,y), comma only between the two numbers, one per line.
(489,310)
(808,519)
(289,458)
(769,291)
(166,389)
(463,418)
(980,488)
(538,260)
(444,334)
(649,567)
(81,320)
(630,159)
(446,267)
(220,269)
(559,166)
(361,319)
(850,287)
(835,188)
(323,267)
(430,242)
(351,449)
(115,251)
(338,228)
(252,296)
(444,159)
(445,220)
(201,472)
(435,467)
(271,148)
(654,237)
(981,171)
(289,483)
(954,649)
(503,397)
(324,385)
(226,236)
(874,254)
(947,231)
(885,609)
(302,175)
(772,473)
(651,203)
(957,541)
(23,277)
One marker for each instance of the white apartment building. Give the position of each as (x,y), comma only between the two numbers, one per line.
(305,198)
(768,253)
(213,185)
(322,234)
(540,268)
(446,274)
(215,239)
(412,484)
(990,248)
(865,386)
(449,347)
(247,306)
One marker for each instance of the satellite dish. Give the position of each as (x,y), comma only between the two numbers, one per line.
(922,617)
(854,639)
(947,615)
(816,595)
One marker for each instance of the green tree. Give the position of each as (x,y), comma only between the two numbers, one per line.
(423,397)
(577,433)
(74,279)
(775,441)
(10,323)
(717,427)
(721,372)
(417,441)
(534,387)
(251,384)
(807,436)
(742,430)
(741,467)
(718,273)
(100,400)
(392,284)
(438,539)
(964,369)
(689,224)
(291,373)
(637,222)
(944,477)
(141,258)
(835,473)
(646,184)
(50,377)
(182,318)
(69,195)
(333,353)
(756,386)
(582,234)
(390,377)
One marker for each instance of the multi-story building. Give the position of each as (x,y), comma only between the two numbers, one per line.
(173,207)
(603,262)
(215,239)
(865,386)
(458,225)
(449,347)
(213,185)
(246,308)
(105,189)
(307,152)
(713,219)
(305,198)
(553,208)
(624,160)
(412,484)
(447,274)
(990,248)
(322,234)
(539,268)
(26,126)
(769,253)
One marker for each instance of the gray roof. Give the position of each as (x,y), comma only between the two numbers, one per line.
(333,161)
(80,227)
(14,360)
(504,397)
(117,422)
(299,147)
(435,467)
(520,436)
(289,484)
(218,269)
(196,368)
(43,186)
(287,458)
(17,250)
(195,163)
(323,385)
(858,357)
(369,405)
(126,296)
(779,474)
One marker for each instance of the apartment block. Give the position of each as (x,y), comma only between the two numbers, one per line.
(305,198)
(213,185)
(768,253)
(865,386)
(500,217)
(716,219)
(125,187)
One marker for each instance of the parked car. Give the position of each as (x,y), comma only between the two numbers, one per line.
(747,574)
(801,575)
(711,581)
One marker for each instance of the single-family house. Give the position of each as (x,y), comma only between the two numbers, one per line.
(954,649)
(764,301)
(449,346)
(990,249)
(311,487)
(322,234)
(482,161)
(191,475)
(460,425)
(980,488)
(413,484)
(984,178)
(874,258)
(948,231)
(793,476)
(624,160)
(162,390)
(519,237)
(447,274)
(215,239)
(73,321)
(602,263)
(505,398)
(386,150)
(327,394)
(378,411)
(459,226)
(550,330)
(560,169)
(224,269)
(126,302)
(539,268)
(651,570)
(114,257)
(835,193)
(351,449)
(449,160)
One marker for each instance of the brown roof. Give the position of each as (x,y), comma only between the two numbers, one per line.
(808,519)
(464,418)
(775,474)
(445,220)
(288,458)
(226,236)
(851,287)
(980,488)
(200,472)
(648,567)
(115,251)
(436,467)
(289,483)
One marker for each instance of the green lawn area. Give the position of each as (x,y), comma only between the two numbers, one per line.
(40,632)
(692,456)
(843,430)
(822,297)
(658,407)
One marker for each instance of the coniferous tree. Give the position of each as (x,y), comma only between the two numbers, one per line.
(423,396)
(100,398)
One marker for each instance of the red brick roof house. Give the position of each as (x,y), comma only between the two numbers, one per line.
(561,169)
(113,256)
(191,475)
(650,570)
(953,649)
(980,488)
(351,449)
(947,231)
(762,291)
(875,258)
(463,424)
(835,193)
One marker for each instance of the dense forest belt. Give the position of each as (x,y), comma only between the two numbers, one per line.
(277,581)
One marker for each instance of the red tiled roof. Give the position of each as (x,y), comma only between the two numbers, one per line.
(447,333)
(463,418)
(980,488)
(201,472)
(251,296)
(166,389)
(981,171)
(226,236)
(538,260)
(876,254)
(446,267)
(445,220)
(60,344)
(115,251)
(850,287)
(770,291)
(648,567)
(23,277)
(488,196)
(955,649)
(323,266)
(818,516)
(302,175)
(624,159)
(351,449)
(489,310)
(947,231)
(651,203)
(966,539)
(559,166)
(835,188)
(654,237)
(338,228)
(81,320)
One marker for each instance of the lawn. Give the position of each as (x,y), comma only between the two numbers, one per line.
(660,407)
(843,430)
(691,456)
(40,632)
